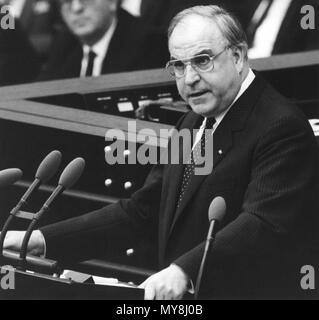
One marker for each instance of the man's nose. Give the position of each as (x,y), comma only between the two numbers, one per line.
(191,75)
(76,5)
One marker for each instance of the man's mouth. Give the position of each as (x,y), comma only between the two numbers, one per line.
(80,22)
(197,94)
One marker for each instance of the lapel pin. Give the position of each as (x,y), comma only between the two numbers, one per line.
(220,151)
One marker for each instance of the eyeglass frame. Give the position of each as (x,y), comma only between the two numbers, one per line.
(188,61)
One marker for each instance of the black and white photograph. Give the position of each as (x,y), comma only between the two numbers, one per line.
(159,150)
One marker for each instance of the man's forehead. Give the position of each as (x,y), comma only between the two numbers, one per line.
(194,34)
(181,52)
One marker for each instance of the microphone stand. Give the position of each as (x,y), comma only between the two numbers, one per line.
(67,179)
(46,170)
(32,226)
(209,242)
(16,210)
(43,265)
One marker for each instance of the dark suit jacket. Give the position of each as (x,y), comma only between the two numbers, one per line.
(15,50)
(39,20)
(291,37)
(132,47)
(267,171)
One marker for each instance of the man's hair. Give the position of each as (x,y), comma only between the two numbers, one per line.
(228,24)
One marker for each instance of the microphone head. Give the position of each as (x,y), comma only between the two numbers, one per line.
(72,173)
(217,209)
(9,176)
(49,166)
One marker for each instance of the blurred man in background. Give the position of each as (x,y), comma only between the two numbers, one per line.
(102,38)
(275,28)
(272,26)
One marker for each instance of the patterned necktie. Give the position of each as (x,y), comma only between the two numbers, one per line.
(90,66)
(199,148)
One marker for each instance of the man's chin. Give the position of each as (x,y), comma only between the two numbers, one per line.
(83,32)
(203,110)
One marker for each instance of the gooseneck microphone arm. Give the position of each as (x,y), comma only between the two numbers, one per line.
(216,213)
(68,178)
(34,223)
(23,201)
(8,177)
(47,168)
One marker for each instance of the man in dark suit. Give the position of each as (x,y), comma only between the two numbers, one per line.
(103,39)
(265,165)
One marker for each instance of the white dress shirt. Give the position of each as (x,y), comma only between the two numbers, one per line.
(132,6)
(100,49)
(267,32)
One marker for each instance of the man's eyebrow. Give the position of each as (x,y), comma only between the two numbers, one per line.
(204,51)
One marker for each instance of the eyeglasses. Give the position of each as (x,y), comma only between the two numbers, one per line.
(201,63)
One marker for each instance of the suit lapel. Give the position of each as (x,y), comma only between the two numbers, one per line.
(115,55)
(222,140)
(124,45)
(72,66)
(287,26)
(174,178)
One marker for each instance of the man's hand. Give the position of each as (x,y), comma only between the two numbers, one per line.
(168,284)
(13,241)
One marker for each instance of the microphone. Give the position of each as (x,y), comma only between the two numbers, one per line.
(9,176)
(47,168)
(72,173)
(68,178)
(216,213)
(217,210)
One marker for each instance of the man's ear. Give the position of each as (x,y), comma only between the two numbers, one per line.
(239,57)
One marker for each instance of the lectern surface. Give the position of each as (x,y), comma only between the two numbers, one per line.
(28,286)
